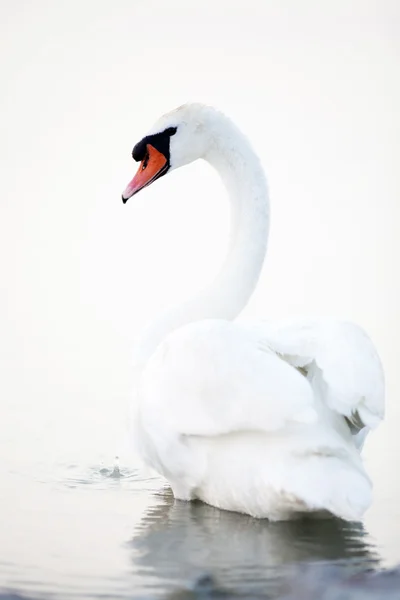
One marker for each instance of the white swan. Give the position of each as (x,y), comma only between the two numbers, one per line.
(265,419)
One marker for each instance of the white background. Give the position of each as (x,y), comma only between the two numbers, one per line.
(315,86)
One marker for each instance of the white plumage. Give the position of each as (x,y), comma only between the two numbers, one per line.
(266,419)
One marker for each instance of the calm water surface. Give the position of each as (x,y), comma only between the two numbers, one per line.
(77,528)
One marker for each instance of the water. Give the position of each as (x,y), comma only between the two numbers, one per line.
(108,531)
(78,523)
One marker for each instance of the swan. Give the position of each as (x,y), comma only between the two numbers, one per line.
(266,419)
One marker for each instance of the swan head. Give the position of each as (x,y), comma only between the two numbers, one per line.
(176,139)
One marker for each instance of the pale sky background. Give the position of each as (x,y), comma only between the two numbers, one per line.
(314,85)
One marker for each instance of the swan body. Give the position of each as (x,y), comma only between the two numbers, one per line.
(266,419)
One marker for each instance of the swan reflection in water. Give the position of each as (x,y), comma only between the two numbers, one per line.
(177,544)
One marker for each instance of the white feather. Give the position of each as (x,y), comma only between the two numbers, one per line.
(269,418)
(341,357)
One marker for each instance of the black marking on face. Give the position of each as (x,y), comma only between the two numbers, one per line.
(160,141)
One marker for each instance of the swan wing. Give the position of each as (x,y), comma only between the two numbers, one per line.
(340,358)
(216,377)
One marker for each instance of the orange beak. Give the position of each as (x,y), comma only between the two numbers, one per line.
(152,166)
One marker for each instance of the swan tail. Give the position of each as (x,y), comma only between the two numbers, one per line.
(333,484)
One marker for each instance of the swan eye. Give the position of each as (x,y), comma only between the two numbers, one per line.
(145,162)
(171,131)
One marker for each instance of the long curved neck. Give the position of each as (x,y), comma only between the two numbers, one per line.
(240,170)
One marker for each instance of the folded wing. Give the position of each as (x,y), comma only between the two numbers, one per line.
(339,358)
